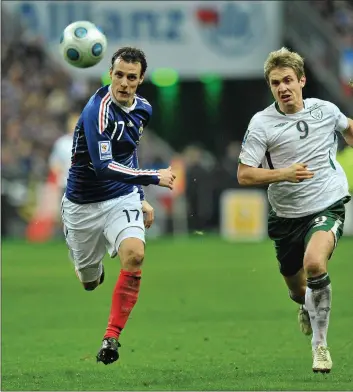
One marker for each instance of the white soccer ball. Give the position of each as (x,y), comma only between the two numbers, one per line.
(83,44)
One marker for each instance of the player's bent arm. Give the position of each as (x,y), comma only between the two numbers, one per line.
(348,133)
(248,175)
(108,169)
(100,148)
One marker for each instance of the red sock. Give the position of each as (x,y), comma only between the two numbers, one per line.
(124,299)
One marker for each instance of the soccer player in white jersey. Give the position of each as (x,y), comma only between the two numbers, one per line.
(60,156)
(103,207)
(291,145)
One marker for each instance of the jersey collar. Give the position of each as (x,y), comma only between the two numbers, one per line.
(122,107)
(284,114)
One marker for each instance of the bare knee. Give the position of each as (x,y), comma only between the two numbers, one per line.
(313,266)
(132,253)
(317,253)
(133,259)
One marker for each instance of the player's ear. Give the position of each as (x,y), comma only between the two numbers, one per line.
(141,79)
(302,81)
(110,72)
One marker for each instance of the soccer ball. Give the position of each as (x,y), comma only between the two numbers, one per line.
(83,44)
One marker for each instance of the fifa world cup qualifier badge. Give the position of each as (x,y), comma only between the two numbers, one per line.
(105,150)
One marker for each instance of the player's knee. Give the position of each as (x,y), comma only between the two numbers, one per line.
(313,265)
(134,258)
(90,286)
(318,251)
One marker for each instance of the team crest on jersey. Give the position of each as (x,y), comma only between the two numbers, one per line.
(317,114)
(105,150)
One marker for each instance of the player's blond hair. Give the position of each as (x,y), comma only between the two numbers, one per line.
(284,58)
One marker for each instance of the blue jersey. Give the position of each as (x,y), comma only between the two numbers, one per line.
(104,162)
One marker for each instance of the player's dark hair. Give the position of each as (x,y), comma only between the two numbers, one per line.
(131,55)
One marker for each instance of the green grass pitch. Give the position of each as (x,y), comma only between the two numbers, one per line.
(211,316)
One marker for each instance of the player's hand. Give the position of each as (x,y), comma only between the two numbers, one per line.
(148,214)
(167,178)
(298,172)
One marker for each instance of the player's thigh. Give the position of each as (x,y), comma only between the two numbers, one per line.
(288,236)
(125,221)
(323,233)
(83,229)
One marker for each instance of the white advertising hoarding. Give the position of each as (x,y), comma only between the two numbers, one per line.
(231,38)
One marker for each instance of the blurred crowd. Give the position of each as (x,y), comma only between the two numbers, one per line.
(340,15)
(38,100)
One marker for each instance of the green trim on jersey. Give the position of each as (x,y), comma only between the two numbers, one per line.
(280,111)
(331,162)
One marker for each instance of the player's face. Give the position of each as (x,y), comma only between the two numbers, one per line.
(126,77)
(287,89)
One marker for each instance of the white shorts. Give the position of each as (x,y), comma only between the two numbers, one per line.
(92,230)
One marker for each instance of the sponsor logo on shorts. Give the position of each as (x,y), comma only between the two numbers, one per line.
(320,221)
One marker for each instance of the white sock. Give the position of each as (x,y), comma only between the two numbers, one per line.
(318,304)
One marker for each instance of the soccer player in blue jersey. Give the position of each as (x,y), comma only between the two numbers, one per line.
(103,208)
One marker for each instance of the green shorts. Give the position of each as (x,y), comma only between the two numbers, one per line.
(291,235)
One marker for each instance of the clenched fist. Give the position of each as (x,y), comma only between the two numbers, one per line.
(167,178)
(297,172)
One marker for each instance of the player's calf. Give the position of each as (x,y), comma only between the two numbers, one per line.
(299,298)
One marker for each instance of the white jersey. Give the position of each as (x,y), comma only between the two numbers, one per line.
(276,140)
(61,156)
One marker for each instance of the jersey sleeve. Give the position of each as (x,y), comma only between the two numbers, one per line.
(99,145)
(340,119)
(136,164)
(254,145)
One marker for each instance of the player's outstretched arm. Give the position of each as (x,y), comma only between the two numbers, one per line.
(248,175)
(348,133)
